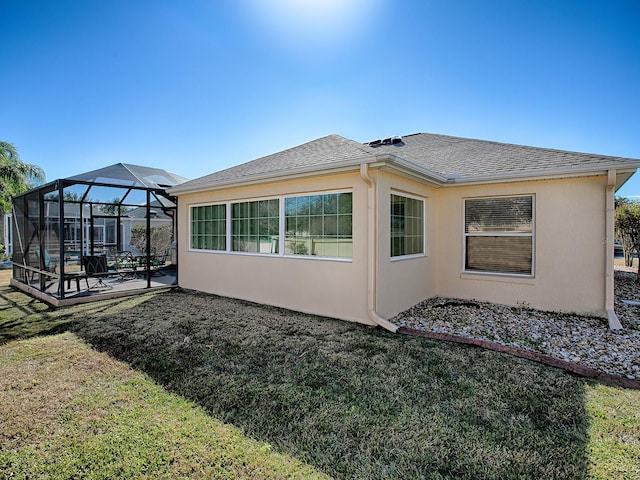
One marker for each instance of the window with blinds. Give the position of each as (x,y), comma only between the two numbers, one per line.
(498,234)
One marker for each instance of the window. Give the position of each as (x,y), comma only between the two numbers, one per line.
(499,235)
(319,225)
(209,227)
(255,226)
(407,226)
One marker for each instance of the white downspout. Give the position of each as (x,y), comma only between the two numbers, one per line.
(614,323)
(372,236)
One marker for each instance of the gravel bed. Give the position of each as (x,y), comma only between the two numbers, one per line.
(582,340)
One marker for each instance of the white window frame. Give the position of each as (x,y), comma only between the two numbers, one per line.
(311,194)
(532,235)
(227,225)
(230,205)
(399,193)
(281,226)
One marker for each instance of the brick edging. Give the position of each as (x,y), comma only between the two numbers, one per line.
(603,377)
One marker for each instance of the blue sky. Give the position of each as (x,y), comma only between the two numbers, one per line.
(195,86)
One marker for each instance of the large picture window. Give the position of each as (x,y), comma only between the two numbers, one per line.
(209,227)
(255,226)
(498,234)
(319,225)
(407,226)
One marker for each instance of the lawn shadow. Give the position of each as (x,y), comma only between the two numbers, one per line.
(23,316)
(355,402)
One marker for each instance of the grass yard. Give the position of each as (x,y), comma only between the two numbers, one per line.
(183,384)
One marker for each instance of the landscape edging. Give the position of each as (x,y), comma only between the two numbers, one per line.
(603,377)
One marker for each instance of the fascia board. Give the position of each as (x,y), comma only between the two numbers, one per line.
(405,167)
(625,174)
(410,173)
(338,167)
(424,173)
(541,175)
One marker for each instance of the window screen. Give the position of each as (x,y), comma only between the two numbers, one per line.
(209,227)
(255,226)
(319,225)
(499,234)
(407,226)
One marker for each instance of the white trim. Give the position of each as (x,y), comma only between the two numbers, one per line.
(401,193)
(281,225)
(399,258)
(311,194)
(190,222)
(408,167)
(499,277)
(465,235)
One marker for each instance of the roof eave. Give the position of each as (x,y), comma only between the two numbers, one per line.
(290,174)
(534,175)
(408,168)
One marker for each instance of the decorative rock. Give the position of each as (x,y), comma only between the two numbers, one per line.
(586,341)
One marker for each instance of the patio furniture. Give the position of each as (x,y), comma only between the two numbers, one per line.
(72,257)
(95,266)
(123,260)
(156,262)
(125,264)
(49,265)
(77,276)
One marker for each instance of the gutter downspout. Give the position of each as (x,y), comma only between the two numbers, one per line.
(372,235)
(614,323)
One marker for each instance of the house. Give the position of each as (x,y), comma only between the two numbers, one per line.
(137,218)
(362,232)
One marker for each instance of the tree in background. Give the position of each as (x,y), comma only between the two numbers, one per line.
(160,238)
(627,224)
(15,175)
(111,208)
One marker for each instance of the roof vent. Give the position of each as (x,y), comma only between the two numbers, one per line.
(387,141)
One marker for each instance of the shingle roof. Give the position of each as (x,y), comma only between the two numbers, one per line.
(442,155)
(466,157)
(321,152)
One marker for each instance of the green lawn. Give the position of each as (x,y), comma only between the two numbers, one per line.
(188,384)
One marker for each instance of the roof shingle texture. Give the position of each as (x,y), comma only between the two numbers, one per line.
(441,154)
(467,157)
(320,152)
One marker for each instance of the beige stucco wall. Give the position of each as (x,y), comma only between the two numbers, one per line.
(335,288)
(569,252)
(404,282)
(569,247)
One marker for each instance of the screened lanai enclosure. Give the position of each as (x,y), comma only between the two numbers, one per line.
(110,232)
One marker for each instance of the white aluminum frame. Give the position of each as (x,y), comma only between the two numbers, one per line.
(499,234)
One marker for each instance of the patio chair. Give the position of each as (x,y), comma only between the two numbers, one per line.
(49,265)
(159,260)
(96,266)
(156,262)
(125,260)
